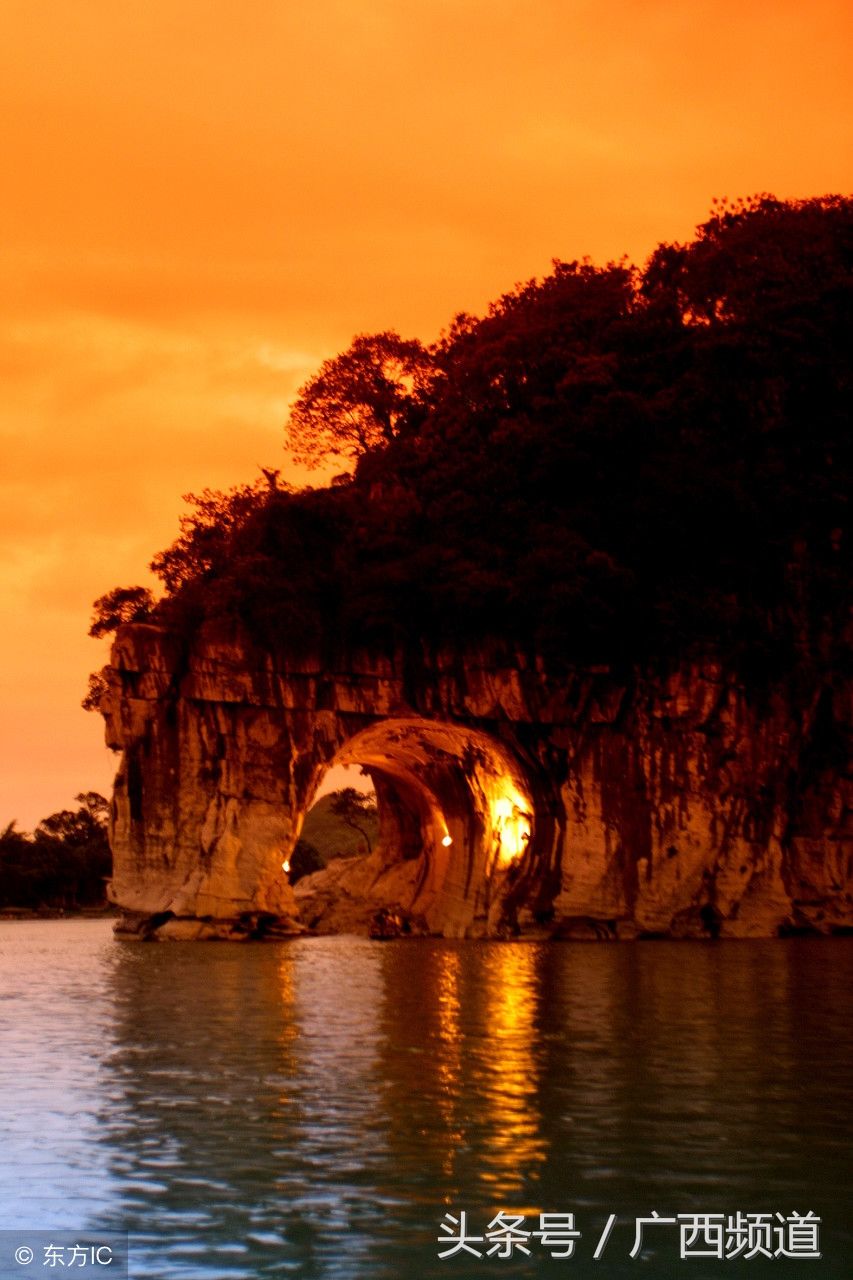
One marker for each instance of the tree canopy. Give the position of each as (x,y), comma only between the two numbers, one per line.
(358,811)
(612,464)
(63,864)
(122,604)
(358,400)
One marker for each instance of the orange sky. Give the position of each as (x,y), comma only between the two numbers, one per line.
(205,198)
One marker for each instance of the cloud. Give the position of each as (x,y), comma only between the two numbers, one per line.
(104,424)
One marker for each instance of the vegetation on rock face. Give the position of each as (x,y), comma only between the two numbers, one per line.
(122,604)
(610,465)
(63,864)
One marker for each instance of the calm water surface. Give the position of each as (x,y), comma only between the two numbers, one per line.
(313,1108)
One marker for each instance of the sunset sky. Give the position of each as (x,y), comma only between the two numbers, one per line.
(204,198)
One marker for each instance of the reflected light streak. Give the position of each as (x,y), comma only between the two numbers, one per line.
(515,1142)
(288,1024)
(448,1062)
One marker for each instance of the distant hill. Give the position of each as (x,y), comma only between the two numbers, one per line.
(330,835)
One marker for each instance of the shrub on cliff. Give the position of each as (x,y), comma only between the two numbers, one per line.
(122,604)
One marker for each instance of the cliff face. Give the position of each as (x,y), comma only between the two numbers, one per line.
(510,802)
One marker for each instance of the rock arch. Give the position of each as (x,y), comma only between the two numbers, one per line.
(458,832)
(652,804)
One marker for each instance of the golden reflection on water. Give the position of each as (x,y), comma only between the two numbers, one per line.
(326,1101)
(472,1122)
(448,1060)
(510,1108)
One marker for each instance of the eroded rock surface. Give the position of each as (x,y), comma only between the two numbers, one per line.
(510,802)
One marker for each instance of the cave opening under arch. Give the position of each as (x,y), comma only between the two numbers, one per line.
(458,831)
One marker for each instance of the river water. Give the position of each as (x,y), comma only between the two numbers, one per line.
(316,1107)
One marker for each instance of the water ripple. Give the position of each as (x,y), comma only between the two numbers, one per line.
(313,1108)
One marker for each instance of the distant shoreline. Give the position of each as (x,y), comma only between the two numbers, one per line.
(56,913)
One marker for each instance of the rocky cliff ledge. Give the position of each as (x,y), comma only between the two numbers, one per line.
(511,803)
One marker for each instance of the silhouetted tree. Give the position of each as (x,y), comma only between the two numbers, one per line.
(63,864)
(609,466)
(122,604)
(206,540)
(95,692)
(355,809)
(358,399)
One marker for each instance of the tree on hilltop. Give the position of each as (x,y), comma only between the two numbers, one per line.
(357,400)
(609,466)
(208,531)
